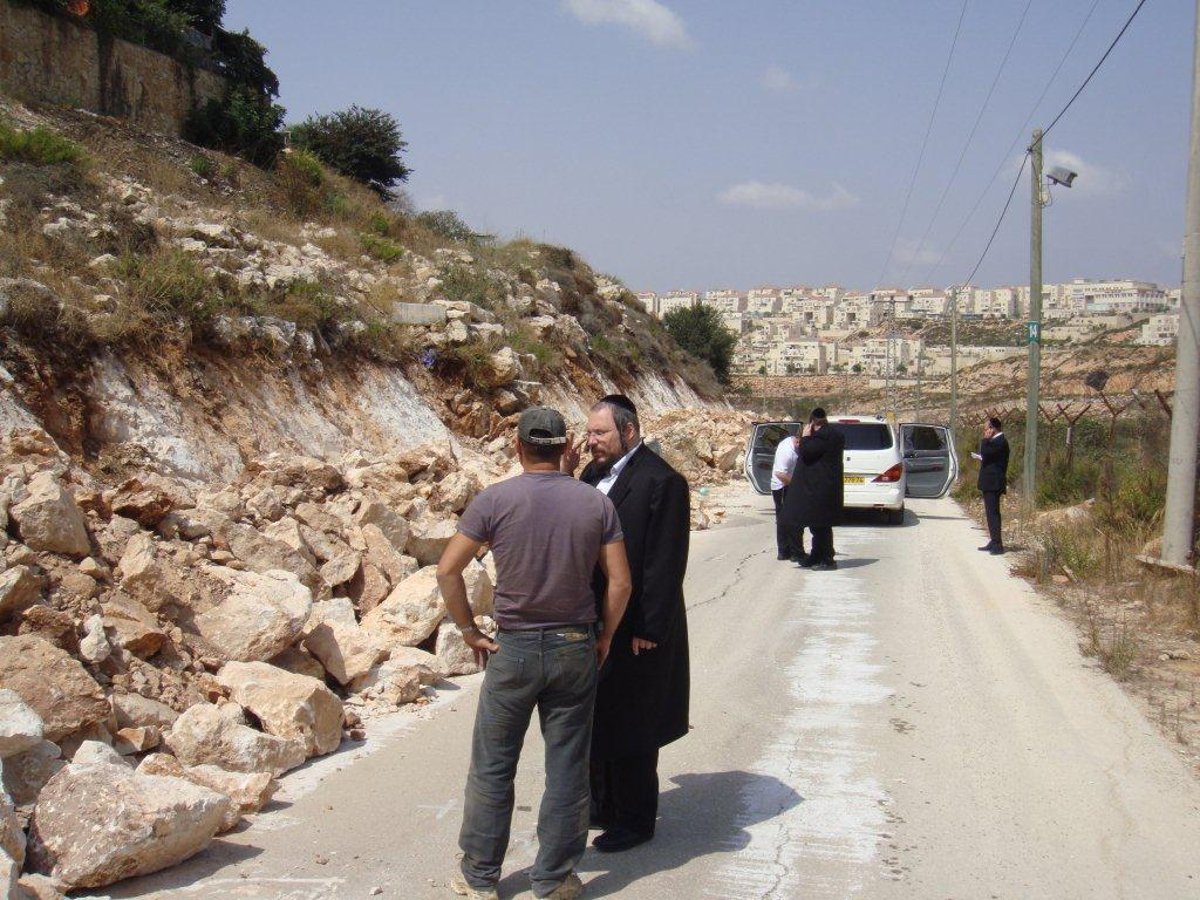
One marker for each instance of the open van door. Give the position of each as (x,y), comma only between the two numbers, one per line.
(760,451)
(930,460)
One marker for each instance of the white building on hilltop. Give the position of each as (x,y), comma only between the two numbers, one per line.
(673,300)
(725,302)
(649,301)
(1160,330)
(1122,296)
(762,301)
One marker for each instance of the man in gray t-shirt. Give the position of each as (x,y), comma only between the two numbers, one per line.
(547,532)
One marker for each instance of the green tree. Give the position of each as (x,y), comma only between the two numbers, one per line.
(700,331)
(363,144)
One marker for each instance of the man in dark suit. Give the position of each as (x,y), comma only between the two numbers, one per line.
(993,480)
(814,498)
(642,699)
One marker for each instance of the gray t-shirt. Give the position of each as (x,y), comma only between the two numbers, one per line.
(545,530)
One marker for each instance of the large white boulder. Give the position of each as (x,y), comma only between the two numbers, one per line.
(391,683)
(98,823)
(394,527)
(294,707)
(203,734)
(428,537)
(249,791)
(54,684)
(20,588)
(20,727)
(453,655)
(263,614)
(410,613)
(25,774)
(50,519)
(346,650)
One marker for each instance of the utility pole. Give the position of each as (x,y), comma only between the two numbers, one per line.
(954,355)
(1033,327)
(1179,515)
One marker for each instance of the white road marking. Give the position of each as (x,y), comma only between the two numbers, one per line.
(823,844)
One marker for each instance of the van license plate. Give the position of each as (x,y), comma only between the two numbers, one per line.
(852,479)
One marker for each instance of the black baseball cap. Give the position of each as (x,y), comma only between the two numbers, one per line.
(543,426)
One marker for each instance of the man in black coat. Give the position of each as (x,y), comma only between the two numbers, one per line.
(642,699)
(993,480)
(814,498)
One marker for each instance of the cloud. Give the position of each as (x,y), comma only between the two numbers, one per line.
(1093,179)
(648,18)
(781,81)
(757,195)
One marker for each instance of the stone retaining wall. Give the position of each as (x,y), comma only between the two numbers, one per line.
(54,60)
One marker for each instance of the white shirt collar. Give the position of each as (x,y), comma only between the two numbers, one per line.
(604,485)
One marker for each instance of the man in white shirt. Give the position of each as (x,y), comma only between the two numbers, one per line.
(781,476)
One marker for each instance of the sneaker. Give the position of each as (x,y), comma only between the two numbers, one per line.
(568,889)
(459,885)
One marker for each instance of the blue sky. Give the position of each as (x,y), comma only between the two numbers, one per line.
(705,144)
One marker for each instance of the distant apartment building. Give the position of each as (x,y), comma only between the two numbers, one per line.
(1160,330)
(927,304)
(804,357)
(762,301)
(673,300)
(725,302)
(649,301)
(857,311)
(813,312)
(1122,296)
(998,303)
(832,292)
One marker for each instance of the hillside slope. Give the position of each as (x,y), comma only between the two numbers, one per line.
(240,413)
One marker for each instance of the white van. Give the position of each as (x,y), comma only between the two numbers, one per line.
(884,463)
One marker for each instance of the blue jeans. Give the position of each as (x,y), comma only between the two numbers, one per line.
(553,670)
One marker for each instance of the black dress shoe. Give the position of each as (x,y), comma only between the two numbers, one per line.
(782,555)
(825,565)
(997,550)
(803,560)
(988,547)
(619,838)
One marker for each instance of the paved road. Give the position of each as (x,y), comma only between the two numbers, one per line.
(916,724)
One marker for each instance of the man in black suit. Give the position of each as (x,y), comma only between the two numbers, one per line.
(814,498)
(993,480)
(642,698)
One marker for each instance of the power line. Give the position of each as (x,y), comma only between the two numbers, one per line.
(970,136)
(1004,211)
(1020,135)
(924,142)
(1096,68)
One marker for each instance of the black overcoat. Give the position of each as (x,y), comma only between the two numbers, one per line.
(814,496)
(642,701)
(993,467)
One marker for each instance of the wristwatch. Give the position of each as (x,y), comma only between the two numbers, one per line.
(467,629)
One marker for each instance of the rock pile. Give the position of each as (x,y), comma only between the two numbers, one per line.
(220,634)
(708,447)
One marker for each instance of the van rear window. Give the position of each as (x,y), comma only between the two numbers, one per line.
(866,435)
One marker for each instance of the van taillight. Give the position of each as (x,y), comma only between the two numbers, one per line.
(891,475)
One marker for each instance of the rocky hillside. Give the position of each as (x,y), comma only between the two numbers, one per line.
(240,412)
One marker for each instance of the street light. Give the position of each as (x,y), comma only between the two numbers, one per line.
(1033,327)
